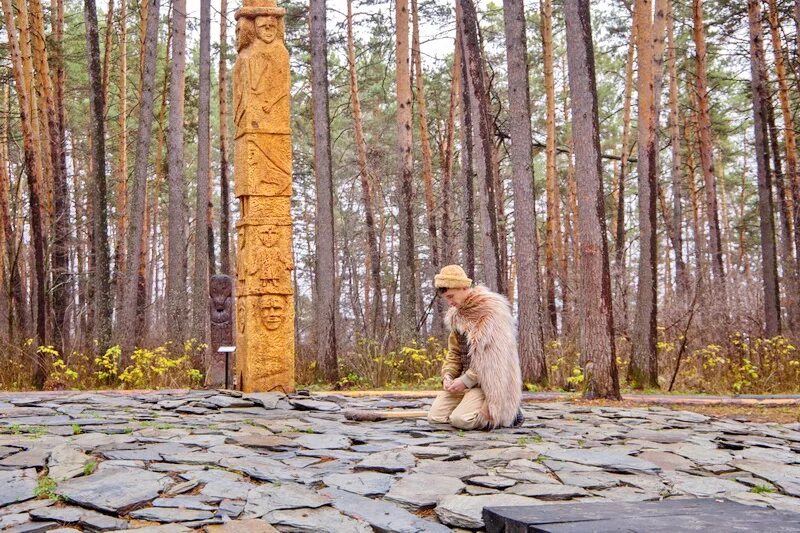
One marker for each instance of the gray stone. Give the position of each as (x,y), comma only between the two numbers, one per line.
(476,490)
(114,490)
(197,503)
(270,497)
(66,462)
(267,442)
(467,511)
(429,452)
(319,441)
(195,458)
(170,514)
(667,460)
(222,400)
(172,404)
(242,526)
(589,480)
(180,488)
(627,494)
(231,508)
(148,452)
(494,482)
(11,520)
(25,506)
(390,461)
(323,520)
(612,462)
(33,458)
(31,527)
(501,456)
(267,400)
(315,405)
(462,469)
(702,486)
(84,517)
(785,477)
(701,455)
(381,515)
(363,483)
(18,485)
(423,490)
(165,528)
(547,491)
(227,488)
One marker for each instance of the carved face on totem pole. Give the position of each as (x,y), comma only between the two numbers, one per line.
(273,311)
(269,236)
(220,290)
(267,28)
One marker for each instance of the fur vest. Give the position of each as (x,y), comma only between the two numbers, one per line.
(485,319)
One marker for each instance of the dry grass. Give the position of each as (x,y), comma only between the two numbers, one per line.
(742,413)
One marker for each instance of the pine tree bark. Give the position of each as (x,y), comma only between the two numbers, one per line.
(448,244)
(122,168)
(597,350)
(224,180)
(553,226)
(531,338)
(130,315)
(467,152)
(676,236)
(424,138)
(176,207)
(482,139)
(325,263)
(376,305)
(201,235)
(643,370)
(705,145)
(407,267)
(769,266)
(100,250)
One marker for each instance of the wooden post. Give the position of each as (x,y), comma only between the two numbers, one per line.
(263,184)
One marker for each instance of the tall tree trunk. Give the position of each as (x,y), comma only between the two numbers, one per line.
(325,264)
(107,52)
(201,236)
(769,264)
(407,270)
(643,370)
(424,137)
(448,245)
(63,229)
(531,339)
(56,181)
(366,187)
(789,196)
(122,168)
(224,181)
(102,274)
(676,236)
(553,227)
(597,334)
(467,171)
(130,312)
(705,145)
(177,208)
(484,146)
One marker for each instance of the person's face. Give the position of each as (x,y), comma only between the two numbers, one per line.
(266,28)
(272,311)
(269,236)
(455,297)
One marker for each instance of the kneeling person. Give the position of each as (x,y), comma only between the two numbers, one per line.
(481,373)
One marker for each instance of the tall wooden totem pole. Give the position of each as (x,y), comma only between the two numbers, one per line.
(263,174)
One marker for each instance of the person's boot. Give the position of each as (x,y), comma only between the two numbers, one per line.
(519,420)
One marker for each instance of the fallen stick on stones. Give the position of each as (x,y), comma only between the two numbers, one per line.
(369,415)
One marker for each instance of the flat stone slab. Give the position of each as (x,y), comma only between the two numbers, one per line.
(467,511)
(610,461)
(271,497)
(322,520)
(114,490)
(382,516)
(170,514)
(658,517)
(389,461)
(418,491)
(84,517)
(18,485)
(254,525)
(363,483)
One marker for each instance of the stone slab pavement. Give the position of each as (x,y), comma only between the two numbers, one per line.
(176,461)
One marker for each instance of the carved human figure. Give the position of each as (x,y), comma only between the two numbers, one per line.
(272,178)
(272,311)
(261,74)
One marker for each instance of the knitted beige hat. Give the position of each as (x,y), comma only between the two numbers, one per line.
(452,277)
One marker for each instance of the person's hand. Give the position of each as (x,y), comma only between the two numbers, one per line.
(457,386)
(446,382)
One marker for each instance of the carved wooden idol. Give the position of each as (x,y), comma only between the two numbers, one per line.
(263,174)
(221,318)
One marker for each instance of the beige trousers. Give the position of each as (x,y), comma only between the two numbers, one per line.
(458,408)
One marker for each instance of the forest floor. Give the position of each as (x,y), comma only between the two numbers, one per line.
(217,460)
